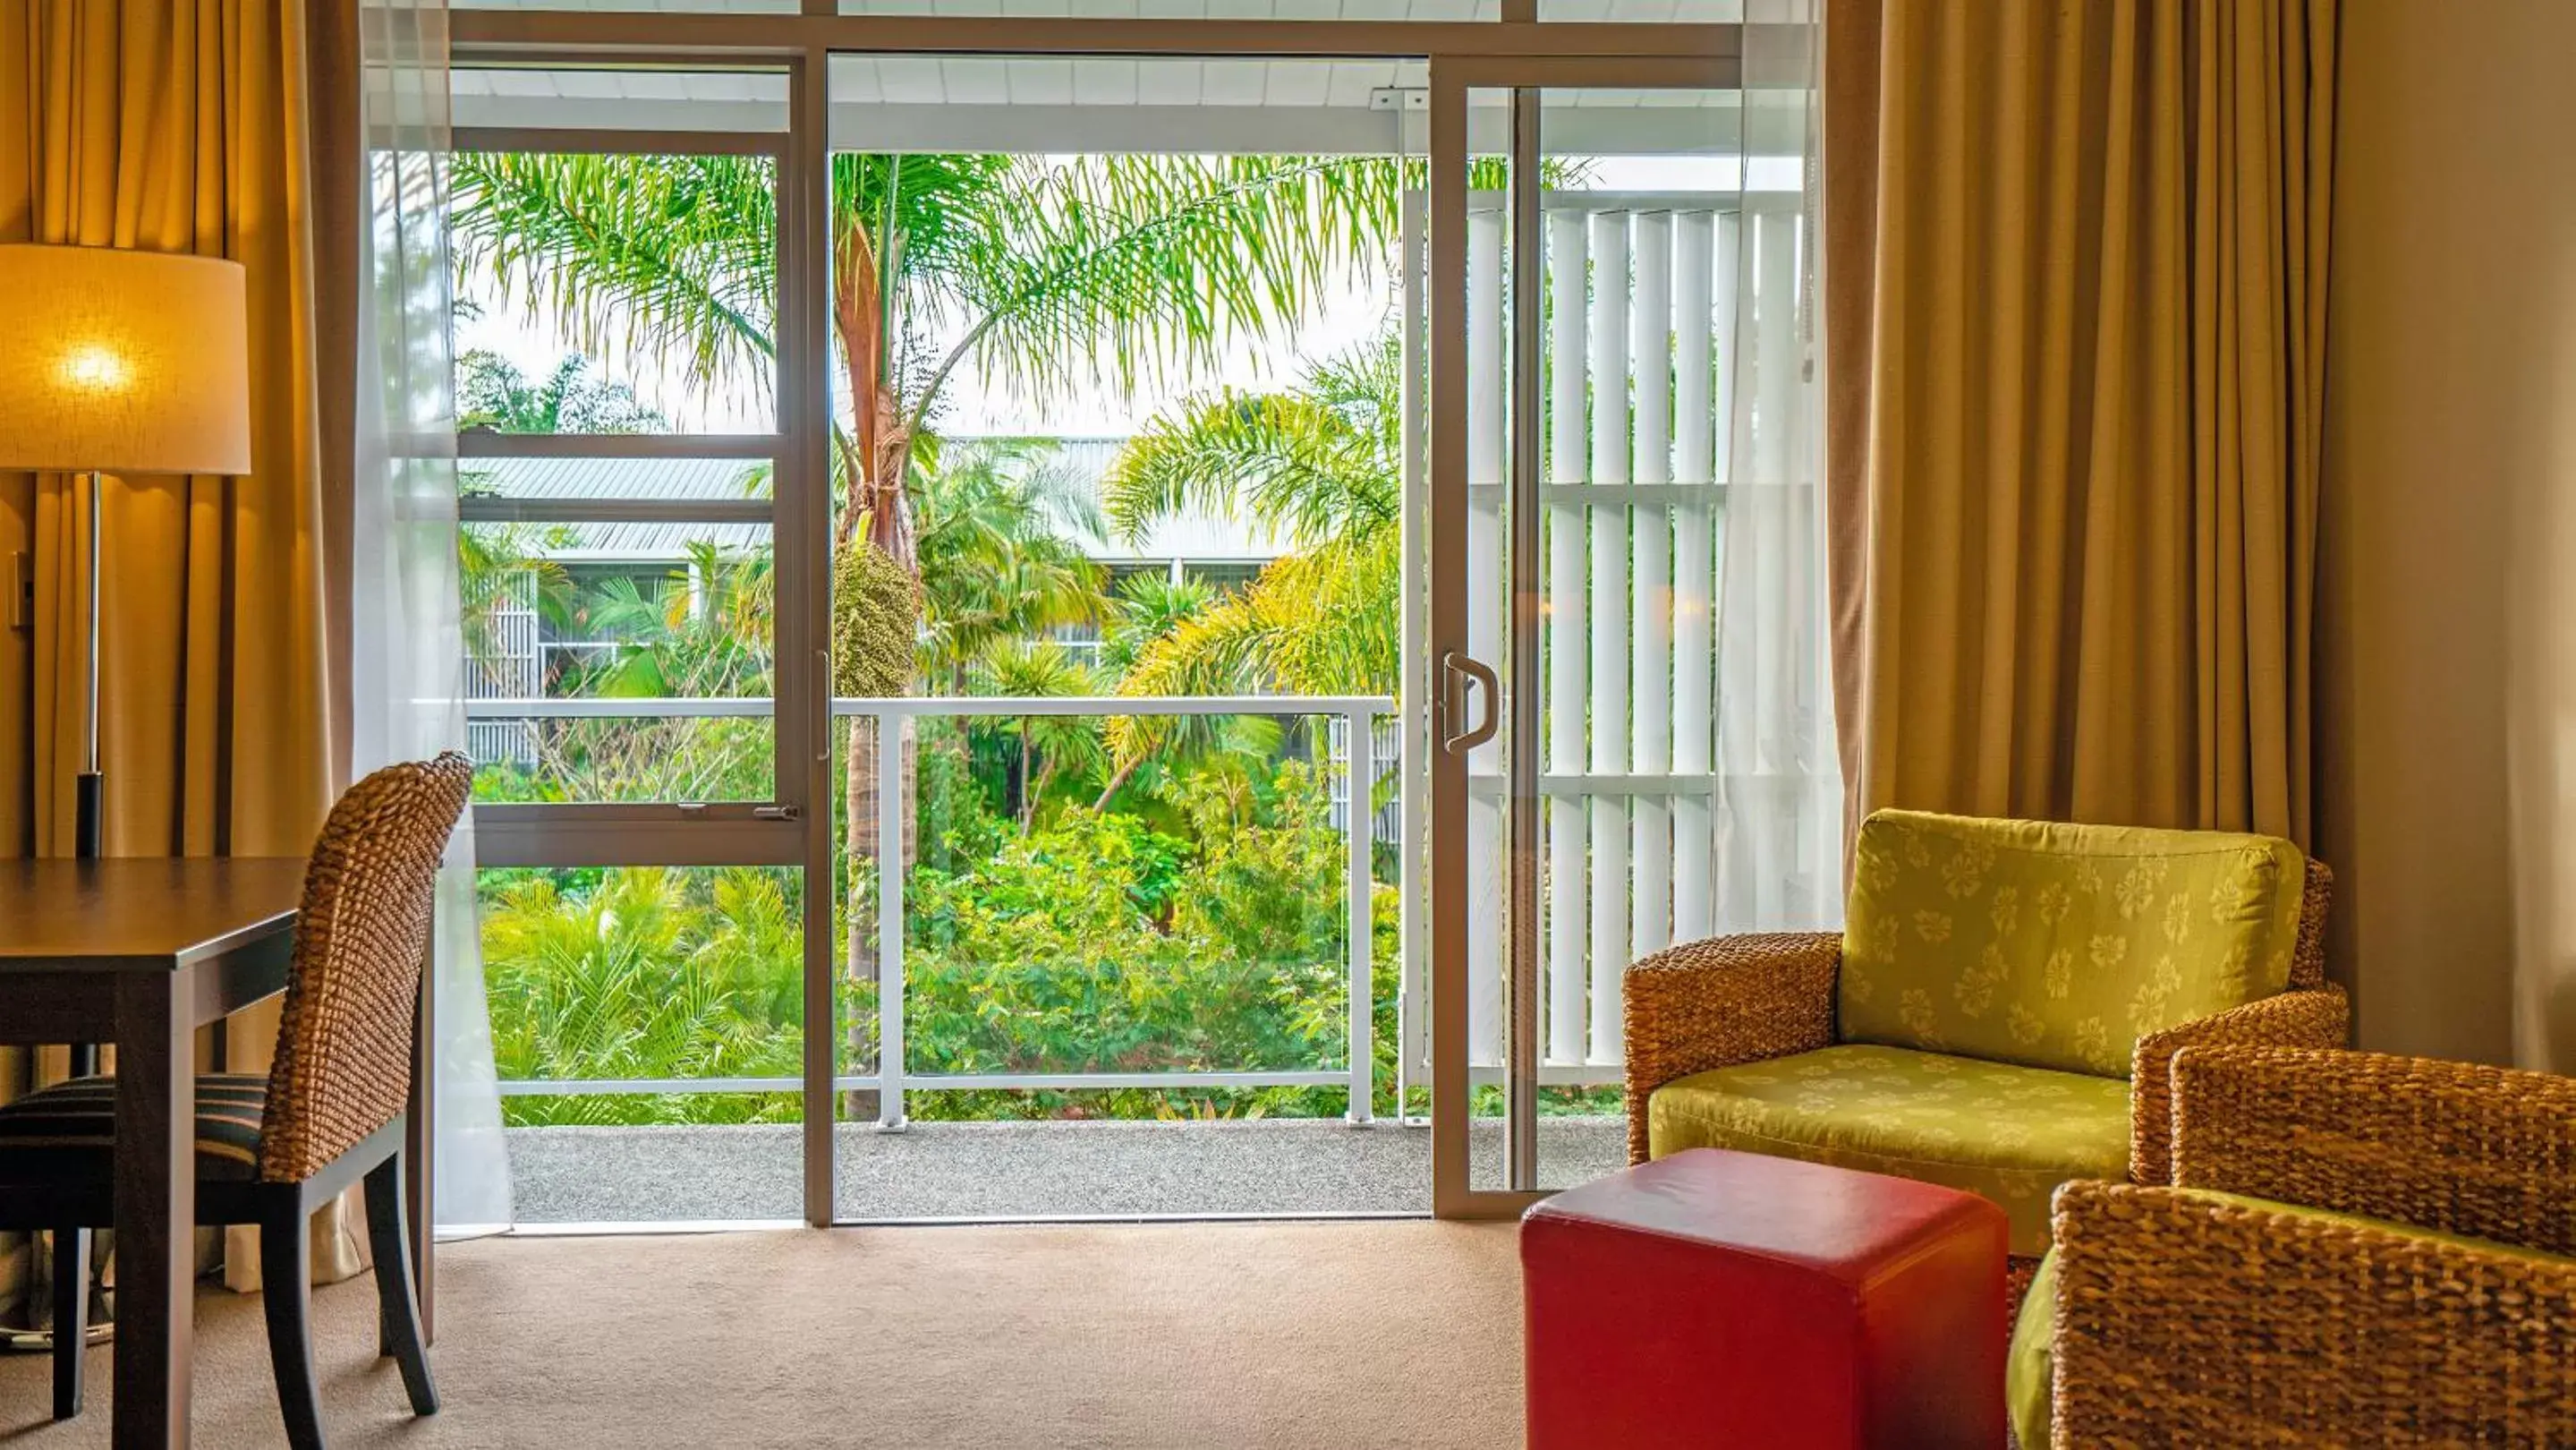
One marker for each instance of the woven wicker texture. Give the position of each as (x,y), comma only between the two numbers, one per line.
(2318,1019)
(2308,955)
(1722,1001)
(344,1044)
(2452,1146)
(2179,1321)
(2183,1322)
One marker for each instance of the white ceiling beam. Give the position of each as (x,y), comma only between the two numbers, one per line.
(1147,128)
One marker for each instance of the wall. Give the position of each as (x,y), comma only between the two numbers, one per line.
(2447,649)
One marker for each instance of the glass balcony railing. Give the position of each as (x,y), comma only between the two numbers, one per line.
(1220,932)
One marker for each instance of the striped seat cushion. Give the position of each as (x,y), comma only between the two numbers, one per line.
(80,1116)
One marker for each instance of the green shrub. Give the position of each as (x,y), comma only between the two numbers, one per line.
(1096,943)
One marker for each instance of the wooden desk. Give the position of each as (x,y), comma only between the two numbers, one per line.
(141,952)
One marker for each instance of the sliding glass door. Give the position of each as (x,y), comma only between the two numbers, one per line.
(642,708)
(1299,474)
(1627,685)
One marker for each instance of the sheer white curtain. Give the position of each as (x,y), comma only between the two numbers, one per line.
(408,681)
(1780,794)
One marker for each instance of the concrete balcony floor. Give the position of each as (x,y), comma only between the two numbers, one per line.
(1051,1169)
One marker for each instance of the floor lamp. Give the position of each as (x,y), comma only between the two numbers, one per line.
(119,362)
(130,363)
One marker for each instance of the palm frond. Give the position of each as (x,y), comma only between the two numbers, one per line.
(666,258)
(1317,622)
(1293,461)
(1135,268)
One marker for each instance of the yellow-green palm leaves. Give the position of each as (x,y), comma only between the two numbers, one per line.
(1319,464)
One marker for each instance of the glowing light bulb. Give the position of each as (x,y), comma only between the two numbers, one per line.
(95,367)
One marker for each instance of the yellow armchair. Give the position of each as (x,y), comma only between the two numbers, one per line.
(1999,1014)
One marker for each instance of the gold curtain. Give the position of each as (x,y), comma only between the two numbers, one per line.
(2075,268)
(174,125)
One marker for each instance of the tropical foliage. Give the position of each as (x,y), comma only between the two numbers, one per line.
(1318,464)
(1096,942)
(1074,900)
(491,392)
(1035,272)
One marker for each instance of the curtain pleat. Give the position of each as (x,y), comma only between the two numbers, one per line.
(174,127)
(2075,260)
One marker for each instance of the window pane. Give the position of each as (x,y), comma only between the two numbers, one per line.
(1190,9)
(560,613)
(644,973)
(1066,105)
(735,7)
(1647,12)
(607,293)
(1201,926)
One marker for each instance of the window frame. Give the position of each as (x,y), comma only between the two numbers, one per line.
(796,829)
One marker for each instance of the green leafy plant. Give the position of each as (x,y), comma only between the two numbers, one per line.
(1320,463)
(1155,895)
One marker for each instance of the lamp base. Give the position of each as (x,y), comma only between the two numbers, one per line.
(89,796)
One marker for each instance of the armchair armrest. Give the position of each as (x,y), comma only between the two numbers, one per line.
(2185,1322)
(2450,1146)
(2296,1018)
(1726,1000)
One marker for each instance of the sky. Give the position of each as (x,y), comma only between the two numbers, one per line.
(1353,315)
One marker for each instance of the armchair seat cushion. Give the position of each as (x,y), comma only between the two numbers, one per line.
(2009,1133)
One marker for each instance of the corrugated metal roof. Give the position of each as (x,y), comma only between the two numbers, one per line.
(1195,536)
(670,479)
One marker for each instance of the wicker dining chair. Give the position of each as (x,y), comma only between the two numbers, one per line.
(2356,1249)
(330,1110)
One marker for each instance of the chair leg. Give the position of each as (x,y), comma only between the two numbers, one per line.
(71,1318)
(397,1310)
(286,1278)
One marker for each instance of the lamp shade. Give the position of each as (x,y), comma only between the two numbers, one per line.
(124,362)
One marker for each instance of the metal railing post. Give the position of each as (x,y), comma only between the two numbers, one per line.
(1360,821)
(890,1057)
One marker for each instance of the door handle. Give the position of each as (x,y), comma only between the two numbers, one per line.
(1457,671)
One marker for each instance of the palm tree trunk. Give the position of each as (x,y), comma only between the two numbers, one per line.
(872,490)
(1028,780)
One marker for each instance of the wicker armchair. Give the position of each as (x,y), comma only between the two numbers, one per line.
(1727,1002)
(2433,1302)
(329,1112)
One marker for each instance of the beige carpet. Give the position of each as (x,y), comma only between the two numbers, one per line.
(1394,1334)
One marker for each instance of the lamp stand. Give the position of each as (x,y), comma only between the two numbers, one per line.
(90,791)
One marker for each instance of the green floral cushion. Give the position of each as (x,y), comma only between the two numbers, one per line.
(2010,1133)
(2055,945)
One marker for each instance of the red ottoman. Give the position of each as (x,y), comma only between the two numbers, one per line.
(1729,1299)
